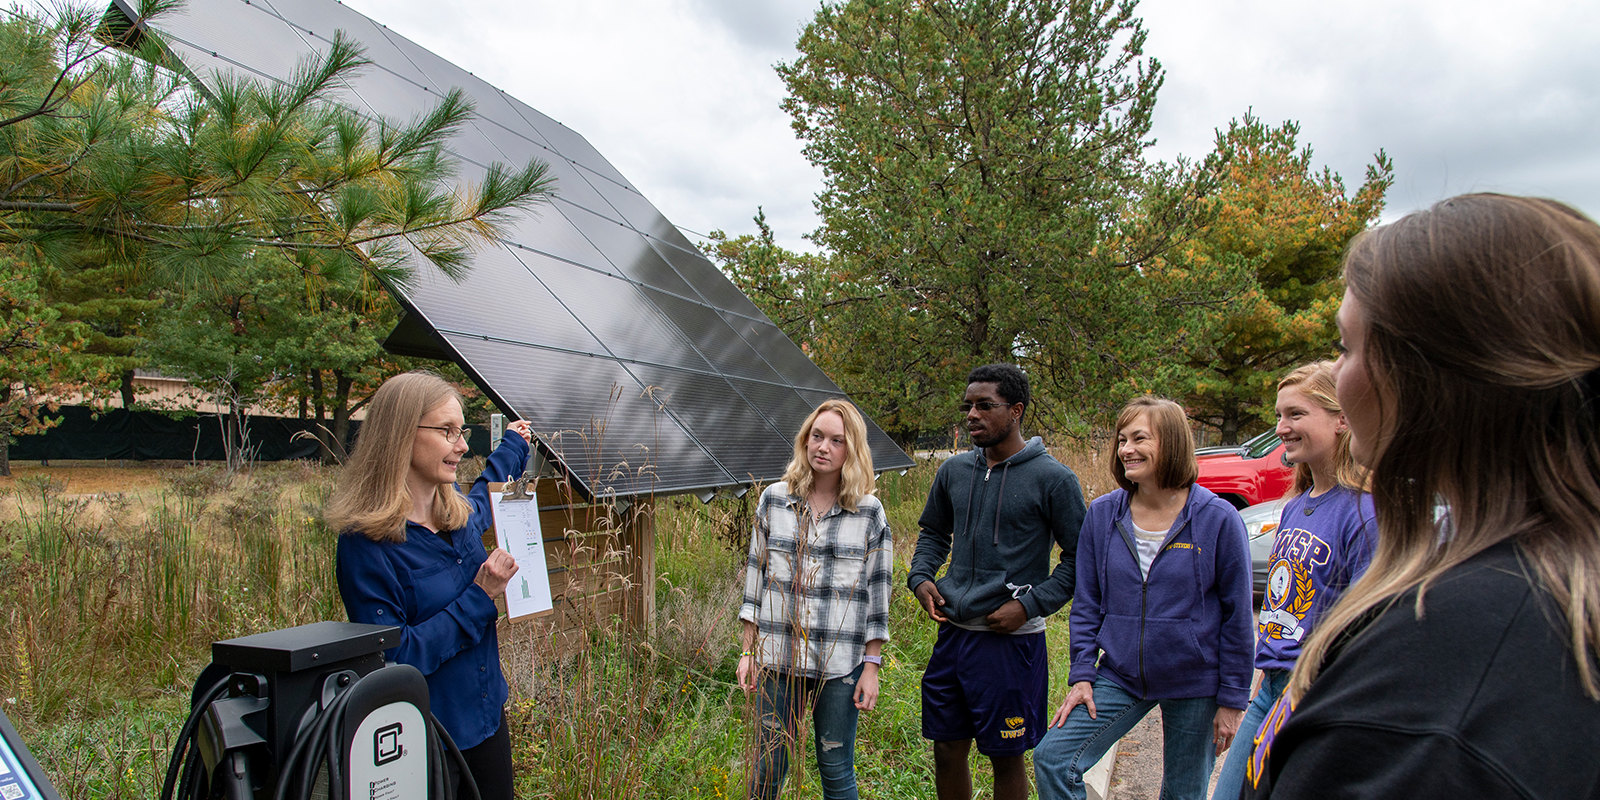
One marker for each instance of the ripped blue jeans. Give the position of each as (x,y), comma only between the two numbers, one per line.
(783,699)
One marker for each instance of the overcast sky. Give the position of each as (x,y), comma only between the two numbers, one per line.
(681,97)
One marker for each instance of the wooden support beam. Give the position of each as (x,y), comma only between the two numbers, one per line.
(639,547)
(602,571)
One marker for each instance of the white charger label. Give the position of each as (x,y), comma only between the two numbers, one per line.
(389,755)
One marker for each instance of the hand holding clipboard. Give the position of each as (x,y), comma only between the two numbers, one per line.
(519,539)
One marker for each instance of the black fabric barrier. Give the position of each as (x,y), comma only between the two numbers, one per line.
(149,435)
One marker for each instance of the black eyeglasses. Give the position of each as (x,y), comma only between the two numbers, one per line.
(981,405)
(450,434)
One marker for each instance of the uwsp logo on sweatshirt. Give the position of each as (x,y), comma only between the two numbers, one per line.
(1290,590)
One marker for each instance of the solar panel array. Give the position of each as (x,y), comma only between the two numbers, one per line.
(640,365)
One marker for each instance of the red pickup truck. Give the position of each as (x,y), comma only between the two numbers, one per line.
(1246,474)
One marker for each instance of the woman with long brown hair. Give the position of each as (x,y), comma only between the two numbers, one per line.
(1463,664)
(411,555)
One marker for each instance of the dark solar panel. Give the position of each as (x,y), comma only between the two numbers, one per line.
(594,416)
(641,334)
(712,337)
(642,368)
(782,354)
(886,455)
(720,420)
(781,406)
(573,184)
(626,250)
(708,281)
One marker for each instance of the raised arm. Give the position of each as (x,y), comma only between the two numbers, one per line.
(507,462)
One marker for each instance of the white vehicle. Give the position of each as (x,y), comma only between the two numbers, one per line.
(1261,525)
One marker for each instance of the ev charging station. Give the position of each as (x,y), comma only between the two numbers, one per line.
(312,711)
(294,714)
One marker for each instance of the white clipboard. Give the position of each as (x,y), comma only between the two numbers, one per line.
(516,531)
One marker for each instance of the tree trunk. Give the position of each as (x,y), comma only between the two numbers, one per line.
(324,439)
(1229,431)
(342,384)
(233,443)
(127,389)
(5,435)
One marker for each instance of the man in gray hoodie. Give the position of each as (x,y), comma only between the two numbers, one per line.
(995,512)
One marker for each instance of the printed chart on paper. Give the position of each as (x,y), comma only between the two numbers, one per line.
(516,526)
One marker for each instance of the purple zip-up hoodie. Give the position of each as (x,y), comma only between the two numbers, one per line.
(1186,631)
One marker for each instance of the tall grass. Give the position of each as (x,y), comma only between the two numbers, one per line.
(110,603)
(633,716)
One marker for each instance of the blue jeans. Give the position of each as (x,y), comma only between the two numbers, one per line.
(1070,750)
(783,698)
(1231,779)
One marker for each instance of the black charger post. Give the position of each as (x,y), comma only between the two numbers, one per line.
(292,668)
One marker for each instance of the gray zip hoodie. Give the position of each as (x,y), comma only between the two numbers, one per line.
(997,525)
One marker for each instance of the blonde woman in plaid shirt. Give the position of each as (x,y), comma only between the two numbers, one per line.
(816,602)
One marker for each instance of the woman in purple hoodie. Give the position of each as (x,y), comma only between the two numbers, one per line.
(1161,614)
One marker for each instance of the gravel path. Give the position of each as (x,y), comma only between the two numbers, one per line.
(1137,775)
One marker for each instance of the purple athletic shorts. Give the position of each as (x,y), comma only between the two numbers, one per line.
(986,686)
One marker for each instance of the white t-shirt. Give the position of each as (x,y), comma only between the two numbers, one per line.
(1149,543)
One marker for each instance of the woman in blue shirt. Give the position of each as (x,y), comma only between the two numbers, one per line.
(412,555)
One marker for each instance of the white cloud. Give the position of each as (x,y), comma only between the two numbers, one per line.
(1463,96)
(680,95)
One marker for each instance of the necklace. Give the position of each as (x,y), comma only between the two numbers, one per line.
(817,509)
(1313,502)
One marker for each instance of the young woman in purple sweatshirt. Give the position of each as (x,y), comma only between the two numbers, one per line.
(1324,542)
(1466,661)
(1161,614)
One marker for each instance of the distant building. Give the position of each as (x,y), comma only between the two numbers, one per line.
(153,390)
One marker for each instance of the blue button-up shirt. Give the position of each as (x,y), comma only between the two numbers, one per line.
(425,586)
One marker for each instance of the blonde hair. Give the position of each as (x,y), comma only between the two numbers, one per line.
(856,480)
(1483,349)
(1315,381)
(1176,466)
(371,497)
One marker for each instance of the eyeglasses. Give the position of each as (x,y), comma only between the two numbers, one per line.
(981,405)
(450,434)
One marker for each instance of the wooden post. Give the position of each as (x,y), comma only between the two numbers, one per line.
(639,547)
(602,570)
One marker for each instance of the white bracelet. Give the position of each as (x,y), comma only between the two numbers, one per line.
(872,660)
